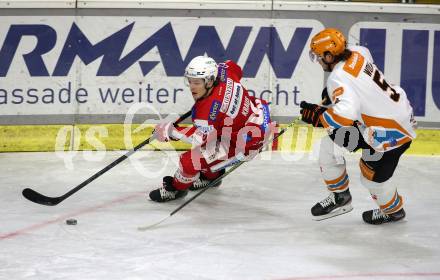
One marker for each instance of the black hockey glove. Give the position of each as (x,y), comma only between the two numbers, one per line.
(310,113)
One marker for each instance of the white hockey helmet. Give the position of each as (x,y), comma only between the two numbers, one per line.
(203,67)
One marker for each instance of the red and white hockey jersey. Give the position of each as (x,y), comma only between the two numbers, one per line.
(229,116)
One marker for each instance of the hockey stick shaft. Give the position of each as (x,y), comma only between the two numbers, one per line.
(36,197)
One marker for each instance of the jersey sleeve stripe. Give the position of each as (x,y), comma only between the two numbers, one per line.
(184,134)
(397,144)
(391,133)
(385,123)
(330,118)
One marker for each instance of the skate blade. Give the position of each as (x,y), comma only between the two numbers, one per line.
(340,211)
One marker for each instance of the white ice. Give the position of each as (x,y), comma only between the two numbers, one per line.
(257,225)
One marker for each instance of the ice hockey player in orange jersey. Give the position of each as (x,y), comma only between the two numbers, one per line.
(361,111)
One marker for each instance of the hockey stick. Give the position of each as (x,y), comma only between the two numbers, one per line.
(218,179)
(37,197)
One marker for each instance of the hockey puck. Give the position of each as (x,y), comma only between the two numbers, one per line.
(71,222)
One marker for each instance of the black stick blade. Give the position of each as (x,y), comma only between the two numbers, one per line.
(37,197)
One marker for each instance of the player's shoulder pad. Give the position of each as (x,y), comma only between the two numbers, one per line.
(208,110)
(363,51)
(233,70)
(337,86)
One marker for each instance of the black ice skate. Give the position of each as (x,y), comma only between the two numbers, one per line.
(167,192)
(335,204)
(202,182)
(377,217)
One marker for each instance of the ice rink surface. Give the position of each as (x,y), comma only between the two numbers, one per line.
(257,225)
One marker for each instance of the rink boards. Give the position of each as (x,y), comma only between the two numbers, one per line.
(60,74)
(117,137)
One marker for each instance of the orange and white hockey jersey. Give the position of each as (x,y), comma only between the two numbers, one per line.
(359,92)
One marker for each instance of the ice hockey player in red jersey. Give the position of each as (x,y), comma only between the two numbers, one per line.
(228,124)
(363,112)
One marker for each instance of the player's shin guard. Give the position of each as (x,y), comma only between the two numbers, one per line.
(190,164)
(387,198)
(332,164)
(338,184)
(182,180)
(339,200)
(333,172)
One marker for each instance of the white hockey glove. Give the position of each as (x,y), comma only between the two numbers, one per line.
(163,132)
